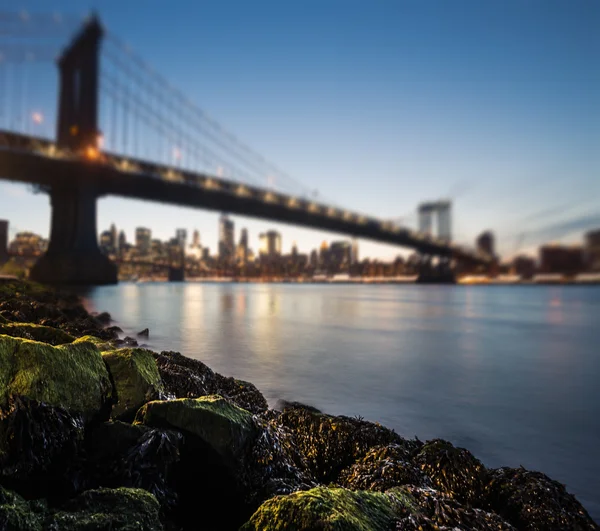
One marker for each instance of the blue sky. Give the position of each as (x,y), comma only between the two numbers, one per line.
(380,105)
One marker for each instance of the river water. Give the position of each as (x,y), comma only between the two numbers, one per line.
(510,372)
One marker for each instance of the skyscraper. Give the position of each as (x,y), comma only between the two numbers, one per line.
(243,247)
(122,241)
(270,244)
(226,241)
(114,242)
(181,237)
(444,220)
(196,240)
(142,240)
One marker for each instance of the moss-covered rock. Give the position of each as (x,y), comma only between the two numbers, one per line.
(18,515)
(102,344)
(327,509)
(226,428)
(532,501)
(135,377)
(72,376)
(329,444)
(382,468)
(120,509)
(454,471)
(44,334)
(188,378)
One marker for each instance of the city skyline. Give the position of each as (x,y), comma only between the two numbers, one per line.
(383,120)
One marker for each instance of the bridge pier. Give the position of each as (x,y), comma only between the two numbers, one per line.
(440,273)
(73,256)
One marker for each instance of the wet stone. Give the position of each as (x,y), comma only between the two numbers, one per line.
(454,471)
(533,501)
(382,468)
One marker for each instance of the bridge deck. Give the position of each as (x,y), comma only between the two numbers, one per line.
(38,161)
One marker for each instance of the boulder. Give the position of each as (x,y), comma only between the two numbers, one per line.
(327,509)
(135,377)
(532,501)
(71,376)
(428,510)
(382,468)
(144,333)
(188,378)
(108,509)
(41,449)
(102,344)
(18,515)
(453,470)
(329,444)
(121,454)
(44,334)
(224,427)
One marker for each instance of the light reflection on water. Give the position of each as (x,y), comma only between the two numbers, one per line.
(509,372)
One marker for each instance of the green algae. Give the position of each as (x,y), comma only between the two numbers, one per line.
(18,515)
(71,376)
(102,344)
(222,425)
(35,332)
(329,509)
(136,379)
(120,509)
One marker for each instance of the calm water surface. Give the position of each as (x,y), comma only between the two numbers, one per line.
(510,372)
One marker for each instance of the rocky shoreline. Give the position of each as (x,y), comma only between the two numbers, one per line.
(99,433)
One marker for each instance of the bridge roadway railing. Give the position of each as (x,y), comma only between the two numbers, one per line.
(125,165)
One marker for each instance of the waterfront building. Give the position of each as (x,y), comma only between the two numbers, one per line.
(592,250)
(561,259)
(143,238)
(524,266)
(106,242)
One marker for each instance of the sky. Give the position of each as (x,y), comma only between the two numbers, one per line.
(379,105)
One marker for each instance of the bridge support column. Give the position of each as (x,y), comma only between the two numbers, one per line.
(73,256)
(439,273)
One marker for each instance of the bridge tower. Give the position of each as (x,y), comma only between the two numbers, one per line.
(73,255)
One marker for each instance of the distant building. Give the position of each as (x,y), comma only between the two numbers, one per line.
(592,250)
(270,244)
(114,240)
(339,256)
(122,240)
(3,241)
(485,243)
(242,250)
(181,237)
(143,237)
(524,266)
(28,244)
(196,239)
(226,241)
(206,253)
(106,242)
(561,259)
(354,259)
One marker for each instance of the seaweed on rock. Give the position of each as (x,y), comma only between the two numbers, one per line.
(122,455)
(188,378)
(40,449)
(453,470)
(330,444)
(431,510)
(532,501)
(382,468)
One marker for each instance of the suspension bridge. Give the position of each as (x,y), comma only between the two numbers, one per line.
(121,129)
